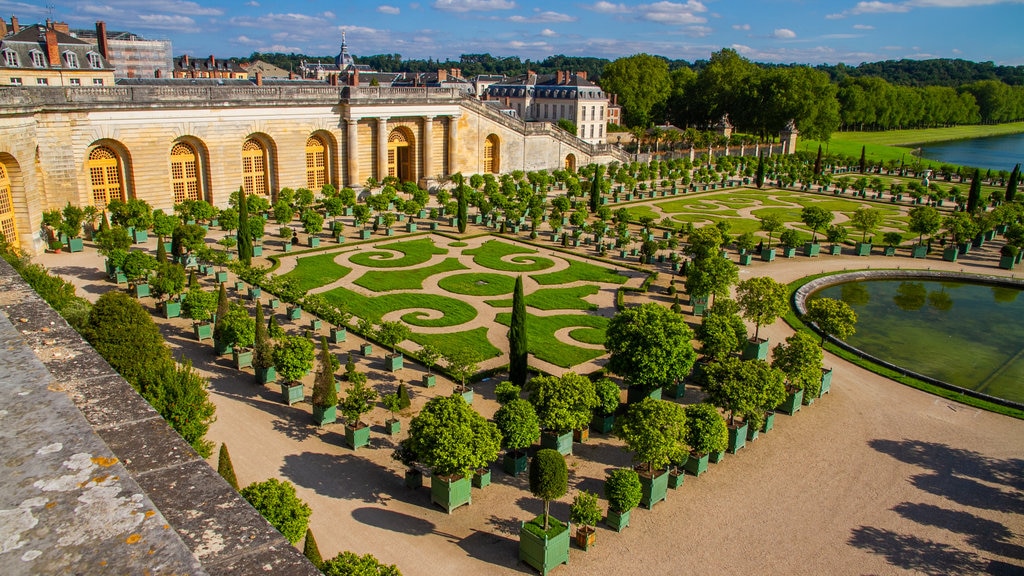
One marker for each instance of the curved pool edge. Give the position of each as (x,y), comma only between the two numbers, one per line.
(801,294)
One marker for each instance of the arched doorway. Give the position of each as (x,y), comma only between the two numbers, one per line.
(105,176)
(254,167)
(7,223)
(185,174)
(400,155)
(492,155)
(570,163)
(316,163)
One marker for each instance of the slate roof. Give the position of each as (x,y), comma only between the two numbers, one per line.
(33,39)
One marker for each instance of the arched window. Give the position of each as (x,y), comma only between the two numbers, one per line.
(10,58)
(316,163)
(94,60)
(105,176)
(7,225)
(400,155)
(570,163)
(254,167)
(184,173)
(492,155)
(71,59)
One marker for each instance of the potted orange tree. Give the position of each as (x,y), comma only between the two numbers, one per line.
(623,491)
(654,430)
(544,541)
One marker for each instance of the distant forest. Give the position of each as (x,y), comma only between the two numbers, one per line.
(936,72)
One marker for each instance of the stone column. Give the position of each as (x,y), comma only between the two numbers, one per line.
(352,150)
(453,138)
(428,147)
(382,148)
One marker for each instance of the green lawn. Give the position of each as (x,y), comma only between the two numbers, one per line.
(312,272)
(490,254)
(455,311)
(388,280)
(555,299)
(449,342)
(541,341)
(478,284)
(580,271)
(414,252)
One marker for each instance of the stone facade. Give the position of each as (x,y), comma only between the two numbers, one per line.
(49,140)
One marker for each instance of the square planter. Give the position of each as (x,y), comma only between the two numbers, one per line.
(755,349)
(221,348)
(365,234)
(789,252)
(617,520)
(394,362)
(697,465)
(919,251)
(139,236)
(141,290)
(544,550)
(275,303)
(337,335)
(75,244)
(287,246)
(482,478)
(313,242)
(168,246)
(602,424)
(393,426)
(863,249)
(450,493)
(221,277)
(634,394)
(768,255)
(514,463)
(950,254)
(769,422)
(889,251)
(560,442)
(172,309)
(413,478)
(585,535)
(292,393)
(356,438)
(266,375)
(366,349)
(203,331)
(792,404)
(737,438)
(467,395)
(676,390)
(752,434)
(239,286)
(746,259)
(836,250)
(581,436)
(410,227)
(315,324)
(242,357)
(1007,262)
(257,250)
(323,415)
(294,312)
(716,457)
(826,381)
(812,249)
(429,380)
(676,479)
(655,488)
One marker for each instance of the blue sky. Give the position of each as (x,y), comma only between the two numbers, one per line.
(802,31)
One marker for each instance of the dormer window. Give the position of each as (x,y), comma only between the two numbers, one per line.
(94,60)
(10,58)
(38,60)
(71,60)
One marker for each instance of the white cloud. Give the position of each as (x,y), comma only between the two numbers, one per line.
(385,9)
(741,26)
(277,21)
(473,5)
(543,17)
(957,51)
(252,4)
(878,7)
(783,33)
(698,31)
(863,27)
(608,8)
(167,22)
(328,14)
(673,12)
(520,45)
(841,36)
(548,33)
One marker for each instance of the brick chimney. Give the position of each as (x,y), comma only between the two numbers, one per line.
(581,74)
(184,61)
(355,77)
(213,63)
(3,27)
(52,50)
(62,27)
(15,28)
(158,73)
(442,75)
(101,38)
(259,78)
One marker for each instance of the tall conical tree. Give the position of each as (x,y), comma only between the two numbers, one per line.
(863,159)
(817,162)
(759,176)
(222,311)
(595,188)
(262,351)
(225,468)
(463,214)
(1011,186)
(244,233)
(104,223)
(517,361)
(974,196)
(311,550)
(161,250)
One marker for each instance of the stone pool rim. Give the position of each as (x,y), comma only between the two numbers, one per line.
(801,294)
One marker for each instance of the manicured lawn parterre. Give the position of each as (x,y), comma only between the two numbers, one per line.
(478,284)
(556,298)
(580,272)
(449,342)
(455,311)
(312,272)
(389,280)
(414,253)
(491,255)
(541,341)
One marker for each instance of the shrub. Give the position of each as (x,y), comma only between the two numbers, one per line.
(585,510)
(706,429)
(311,551)
(549,477)
(622,489)
(517,422)
(506,392)
(349,564)
(451,438)
(126,336)
(403,397)
(237,329)
(277,502)
(325,394)
(359,400)
(179,394)
(608,396)
(225,468)
(293,357)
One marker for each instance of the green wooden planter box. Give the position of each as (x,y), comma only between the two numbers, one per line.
(75,245)
(292,393)
(323,415)
(313,242)
(266,375)
(139,236)
(1007,262)
(676,390)
(792,404)
(203,331)
(257,250)
(812,249)
(366,349)
(769,422)
(221,276)
(315,324)
(287,246)
(697,465)
(239,286)
(543,552)
(141,290)
(410,227)
(172,309)
(394,362)
(365,234)
(356,438)
(338,335)
(634,394)
(863,249)
(254,293)
(168,246)
(752,433)
(950,254)
(836,250)
(919,251)
(294,312)
(514,463)
(429,380)
(676,479)
(737,438)
(560,442)
(467,395)
(768,255)
(655,489)
(745,259)
(242,357)
(393,427)
(450,493)
(617,520)
(221,348)
(602,424)
(826,381)
(413,479)
(275,303)
(716,457)
(482,478)
(755,349)
(789,252)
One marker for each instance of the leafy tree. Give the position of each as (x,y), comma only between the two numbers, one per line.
(655,430)
(451,438)
(771,223)
(310,549)
(236,328)
(391,333)
(866,220)
(835,234)
(924,220)
(225,468)
(642,83)
(608,396)
(169,279)
(461,364)
(563,403)
(517,422)
(293,357)
(137,267)
(549,478)
(585,510)
(124,333)
(358,401)
(277,502)
(113,238)
(312,222)
(744,388)
(789,238)
(506,392)
(960,226)
(199,304)
(179,395)
(429,355)
(721,335)
(325,394)
(762,300)
(706,431)
(833,317)
(349,564)
(892,239)
(800,360)
(187,238)
(649,346)
(712,276)
(816,218)
(623,490)
(706,241)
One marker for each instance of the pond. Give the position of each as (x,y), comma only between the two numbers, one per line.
(966,334)
(995,152)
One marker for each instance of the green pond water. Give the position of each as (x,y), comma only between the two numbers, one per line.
(969,335)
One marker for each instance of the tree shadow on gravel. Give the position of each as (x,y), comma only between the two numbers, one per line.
(968,492)
(981,533)
(494,549)
(918,554)
(397,522)
(347,476)
(947,460)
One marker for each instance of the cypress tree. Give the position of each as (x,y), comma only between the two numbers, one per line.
(517,361)
(595,188)
(759,177)
(244,234)
(225,468)
(104,224)
(161,250)
(863,159)
(974,196)
(817,162)
(403,397)
(1011,186)
(311,550)
(222,311)
(463,214)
